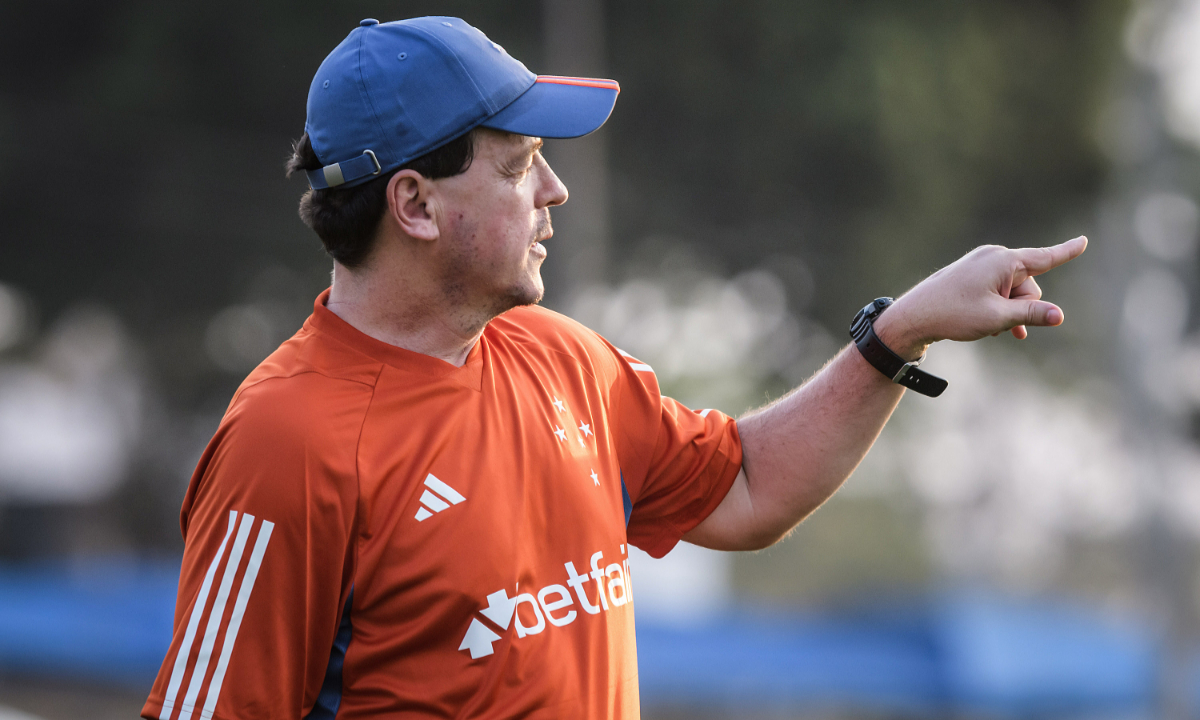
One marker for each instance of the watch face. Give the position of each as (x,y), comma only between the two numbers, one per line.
(866,316)
(858,327)
(858,319)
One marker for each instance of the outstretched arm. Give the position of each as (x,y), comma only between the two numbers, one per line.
(798,450)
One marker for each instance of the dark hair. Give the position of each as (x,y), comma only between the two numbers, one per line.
(346,218)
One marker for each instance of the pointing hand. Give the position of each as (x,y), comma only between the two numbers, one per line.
(989,290)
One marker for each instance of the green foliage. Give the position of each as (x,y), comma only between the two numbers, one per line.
(141,143)
(877,141)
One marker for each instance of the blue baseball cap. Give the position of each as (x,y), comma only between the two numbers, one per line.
(391,92)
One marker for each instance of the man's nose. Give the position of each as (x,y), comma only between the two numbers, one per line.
(553,191)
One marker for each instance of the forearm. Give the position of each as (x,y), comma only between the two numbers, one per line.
(797,452)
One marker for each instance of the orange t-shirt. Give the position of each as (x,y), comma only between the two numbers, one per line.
(373,532)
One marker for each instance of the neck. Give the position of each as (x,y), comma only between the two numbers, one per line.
(382,302)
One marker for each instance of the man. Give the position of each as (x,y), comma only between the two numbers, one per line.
(421,504)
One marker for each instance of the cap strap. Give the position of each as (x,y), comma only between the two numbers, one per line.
(344,172)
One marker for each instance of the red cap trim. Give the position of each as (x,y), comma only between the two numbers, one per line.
(582,82)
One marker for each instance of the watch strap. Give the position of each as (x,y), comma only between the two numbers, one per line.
(896,368)
(881,357)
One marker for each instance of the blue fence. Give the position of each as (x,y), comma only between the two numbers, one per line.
(111,622)
(957,654)
(107,621)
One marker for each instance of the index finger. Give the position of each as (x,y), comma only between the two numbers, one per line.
(1038,260)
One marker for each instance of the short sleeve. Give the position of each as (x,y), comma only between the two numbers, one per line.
(268,530)
(677,464)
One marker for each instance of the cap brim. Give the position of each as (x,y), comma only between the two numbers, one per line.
(558,107)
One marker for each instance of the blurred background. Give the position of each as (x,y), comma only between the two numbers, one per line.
(1024,546)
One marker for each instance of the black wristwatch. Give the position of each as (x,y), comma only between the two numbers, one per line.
(882,358)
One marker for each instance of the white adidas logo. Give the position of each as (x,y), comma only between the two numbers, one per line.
(437,497)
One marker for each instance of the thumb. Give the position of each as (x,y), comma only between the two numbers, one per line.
(1037,313)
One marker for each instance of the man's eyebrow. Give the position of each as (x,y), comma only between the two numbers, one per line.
(530,146)
(518,157)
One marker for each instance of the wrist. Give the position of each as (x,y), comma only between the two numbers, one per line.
(894,330)
(875,350)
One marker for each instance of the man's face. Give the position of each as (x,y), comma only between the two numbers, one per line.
(492,218)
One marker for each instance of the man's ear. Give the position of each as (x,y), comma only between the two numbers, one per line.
(410,205)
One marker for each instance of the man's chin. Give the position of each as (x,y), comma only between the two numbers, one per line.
(534,289)
(524,295)
(529,296)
